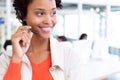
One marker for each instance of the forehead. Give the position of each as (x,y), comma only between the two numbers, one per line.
(43,3)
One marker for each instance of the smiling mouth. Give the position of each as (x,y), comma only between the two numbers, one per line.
(45,29)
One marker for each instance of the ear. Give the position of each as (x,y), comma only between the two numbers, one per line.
(24,22)
(24,19)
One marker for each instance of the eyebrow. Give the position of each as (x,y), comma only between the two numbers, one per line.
(44,9)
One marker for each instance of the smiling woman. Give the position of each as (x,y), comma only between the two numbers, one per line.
(35,54)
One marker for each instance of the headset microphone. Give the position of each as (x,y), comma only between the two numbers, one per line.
(34,31)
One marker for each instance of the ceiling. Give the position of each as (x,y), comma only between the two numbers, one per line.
(97,2)
(87,1)
(2,0)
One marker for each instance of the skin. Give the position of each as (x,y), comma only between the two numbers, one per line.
(84,38)
(41,17)
(60,40)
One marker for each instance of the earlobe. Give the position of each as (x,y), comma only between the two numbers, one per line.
(24,19)
(24,22)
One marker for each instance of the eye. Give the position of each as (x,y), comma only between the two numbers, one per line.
(53,13)
(38,13)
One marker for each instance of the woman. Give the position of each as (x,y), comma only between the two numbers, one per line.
(61,38)
(35,55)
(83,36)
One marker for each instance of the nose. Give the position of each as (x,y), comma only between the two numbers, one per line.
(48,20)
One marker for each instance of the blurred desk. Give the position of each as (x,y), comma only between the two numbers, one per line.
(98,69)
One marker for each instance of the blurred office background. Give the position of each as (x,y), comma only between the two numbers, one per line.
(99,19)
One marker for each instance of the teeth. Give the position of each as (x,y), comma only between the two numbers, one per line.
(46,29)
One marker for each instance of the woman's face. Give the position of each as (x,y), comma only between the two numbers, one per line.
(41,16)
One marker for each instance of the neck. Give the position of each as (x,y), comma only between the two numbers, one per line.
(39,45)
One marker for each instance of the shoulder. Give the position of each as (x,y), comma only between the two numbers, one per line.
(72,65)
(5,57)
(62,47)
(4,62)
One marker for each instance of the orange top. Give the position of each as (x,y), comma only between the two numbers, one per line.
(39,71)
(13,72)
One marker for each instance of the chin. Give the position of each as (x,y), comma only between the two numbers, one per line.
(45,36)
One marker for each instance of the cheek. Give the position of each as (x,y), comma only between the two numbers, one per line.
(54,21)
(33,21)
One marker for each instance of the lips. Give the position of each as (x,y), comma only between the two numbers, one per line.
(46,29)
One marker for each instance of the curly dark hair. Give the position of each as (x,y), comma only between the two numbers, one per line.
(82,36)
(20,7)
